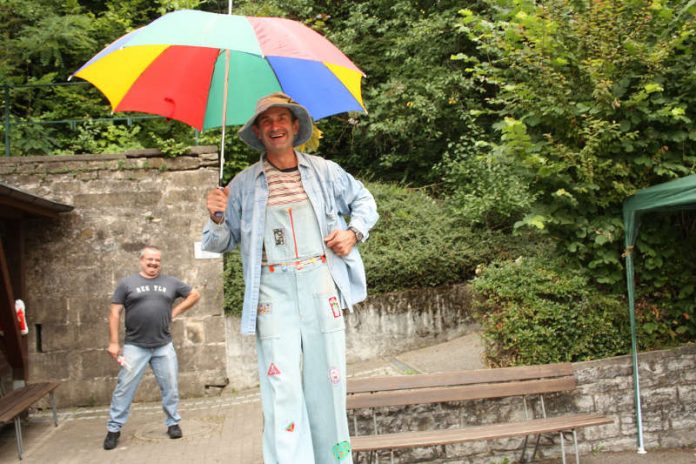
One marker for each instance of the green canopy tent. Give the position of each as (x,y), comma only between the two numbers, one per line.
(673,195)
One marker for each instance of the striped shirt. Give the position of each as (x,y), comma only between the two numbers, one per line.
(284,186)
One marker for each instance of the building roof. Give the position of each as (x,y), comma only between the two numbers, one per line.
(19,203)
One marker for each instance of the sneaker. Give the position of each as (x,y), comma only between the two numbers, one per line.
(174,431)
(111,440)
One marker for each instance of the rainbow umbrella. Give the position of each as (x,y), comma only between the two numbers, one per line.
(208,70)
(176,67)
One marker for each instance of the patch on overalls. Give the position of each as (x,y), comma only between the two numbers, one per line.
(264,308)
(279,236)
(290,427)
(334,375)
(341,450)
(335,307)
(273,370)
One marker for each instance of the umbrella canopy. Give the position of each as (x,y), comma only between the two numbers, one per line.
(178,67)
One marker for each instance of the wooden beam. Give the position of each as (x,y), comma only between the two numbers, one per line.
(15,347)
(30,209)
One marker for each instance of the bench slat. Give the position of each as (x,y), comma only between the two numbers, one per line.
(17,401)
(444,379)
(482,432)
(463,393)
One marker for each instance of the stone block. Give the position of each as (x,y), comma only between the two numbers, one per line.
(601,432)
(58,337)
(194,332)
(51,366)
(678,438)
(215,329)
(86,393)
(686,394)
(654,421)
(613,403)
(177,329)
(44,309)
(202,358)
(92,310)
(97,363)
(584,403)
(207,383)
(656,397)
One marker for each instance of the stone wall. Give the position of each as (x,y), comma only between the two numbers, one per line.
(122,202)
(668,396)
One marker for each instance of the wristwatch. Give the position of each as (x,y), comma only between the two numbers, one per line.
(358,235)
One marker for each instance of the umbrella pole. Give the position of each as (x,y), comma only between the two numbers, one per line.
(224,115)
(224,105)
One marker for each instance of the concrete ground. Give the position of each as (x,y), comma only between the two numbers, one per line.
(227,429)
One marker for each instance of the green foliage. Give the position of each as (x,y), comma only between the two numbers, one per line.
(481,189)
(543,310)
(413,92)
(593,101)
(96,137)
(233,278)
(665,269)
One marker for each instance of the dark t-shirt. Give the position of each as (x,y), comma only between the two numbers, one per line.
(148,304)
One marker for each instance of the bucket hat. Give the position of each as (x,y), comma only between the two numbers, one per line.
(280,99)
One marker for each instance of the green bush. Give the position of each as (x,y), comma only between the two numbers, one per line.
(541,310)
(419,243)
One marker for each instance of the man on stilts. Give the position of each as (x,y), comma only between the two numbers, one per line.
(302,270)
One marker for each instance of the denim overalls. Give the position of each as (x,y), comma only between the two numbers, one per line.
(300,344)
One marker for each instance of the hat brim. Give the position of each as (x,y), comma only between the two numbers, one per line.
(247,135)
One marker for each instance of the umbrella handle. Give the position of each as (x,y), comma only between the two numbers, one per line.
(219,214)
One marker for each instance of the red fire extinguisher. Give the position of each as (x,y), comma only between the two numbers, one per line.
(21,317)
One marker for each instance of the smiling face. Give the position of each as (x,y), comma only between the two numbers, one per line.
(276,129)
(150,263)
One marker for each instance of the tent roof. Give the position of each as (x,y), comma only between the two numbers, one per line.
(675,194)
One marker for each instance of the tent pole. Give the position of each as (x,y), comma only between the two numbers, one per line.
(634,348)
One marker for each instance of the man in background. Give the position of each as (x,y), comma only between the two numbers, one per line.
(148,298)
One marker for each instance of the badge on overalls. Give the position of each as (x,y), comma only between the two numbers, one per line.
(335,307)
(279,236)
(341,450)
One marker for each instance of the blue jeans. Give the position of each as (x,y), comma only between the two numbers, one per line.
(164,365)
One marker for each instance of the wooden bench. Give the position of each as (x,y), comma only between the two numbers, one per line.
(483,384)
(14,403)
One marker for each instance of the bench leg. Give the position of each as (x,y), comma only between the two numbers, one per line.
(18,435)
(575,442)
(53,407)
(523,456)
(563,449)
(536,448)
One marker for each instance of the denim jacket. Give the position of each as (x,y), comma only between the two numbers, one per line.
(333,194)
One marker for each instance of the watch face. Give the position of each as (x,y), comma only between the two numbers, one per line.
(357,233)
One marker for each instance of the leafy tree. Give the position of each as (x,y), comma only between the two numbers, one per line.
(594,101)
